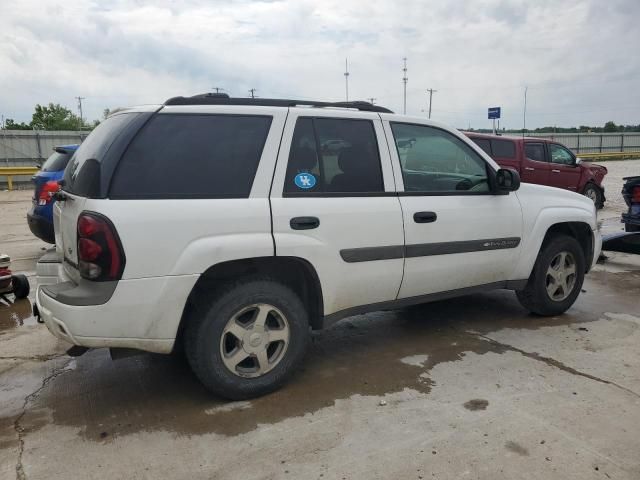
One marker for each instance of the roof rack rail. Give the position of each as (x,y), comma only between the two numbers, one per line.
(224,99)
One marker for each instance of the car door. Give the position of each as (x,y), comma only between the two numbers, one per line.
(564,171)
(535,165)
(458,234)
(333,205)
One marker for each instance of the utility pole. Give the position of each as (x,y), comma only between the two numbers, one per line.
(524,113)
(404,80)
(80,110)
(371,100)
(431,92)
(346,79)
(218,89)
(252,91)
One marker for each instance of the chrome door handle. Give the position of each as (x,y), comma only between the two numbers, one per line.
(555,171)
(529,168)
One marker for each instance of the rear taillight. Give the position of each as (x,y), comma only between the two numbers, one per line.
(48,190)
(100,255)
(635,194)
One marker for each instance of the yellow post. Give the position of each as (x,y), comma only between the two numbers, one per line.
(10,182)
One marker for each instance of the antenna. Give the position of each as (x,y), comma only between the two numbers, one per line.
(431,92)
(346,79)
(252,91)
(404,80)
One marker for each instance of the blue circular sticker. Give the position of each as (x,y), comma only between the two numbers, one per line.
(305,180)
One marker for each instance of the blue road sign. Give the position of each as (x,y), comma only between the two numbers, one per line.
(494,112)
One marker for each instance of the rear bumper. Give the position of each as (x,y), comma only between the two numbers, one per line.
(142,314)
(41,227)
(630,219)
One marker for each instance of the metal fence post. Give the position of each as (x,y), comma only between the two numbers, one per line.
(600,143)
(622,142)
(578,146)
(38,145)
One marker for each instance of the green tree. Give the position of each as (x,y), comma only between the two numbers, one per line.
(10,124)
(54,117)
(610,127)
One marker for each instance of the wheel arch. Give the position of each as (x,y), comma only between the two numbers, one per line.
(581,231)
(294,272)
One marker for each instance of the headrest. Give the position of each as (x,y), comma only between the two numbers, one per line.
(352,159)
(304,158)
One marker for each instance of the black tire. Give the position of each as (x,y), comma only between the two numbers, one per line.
(535,297)
(631,228)
(593,192)
(206,325)
(20,286)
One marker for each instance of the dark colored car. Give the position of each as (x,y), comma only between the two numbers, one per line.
(545,162)
(631,195)
(40,217)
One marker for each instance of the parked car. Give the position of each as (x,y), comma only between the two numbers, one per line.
(545,162)
(219,225)
(631,195)
(40,217)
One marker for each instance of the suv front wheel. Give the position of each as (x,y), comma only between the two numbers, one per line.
(557,277)
(248,339)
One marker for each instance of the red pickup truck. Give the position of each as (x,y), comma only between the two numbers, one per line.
(543,161)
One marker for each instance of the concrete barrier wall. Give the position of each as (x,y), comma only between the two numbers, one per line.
(27,148)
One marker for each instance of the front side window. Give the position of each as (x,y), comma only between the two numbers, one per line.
(192,156)
(560,155)
(330,155)
(435,161)
(534,151)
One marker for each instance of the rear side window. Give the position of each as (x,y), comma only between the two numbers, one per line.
(56,162)
(534,151)
(82,175)
(484,144)
(503,148)
(331,155)
(192,156)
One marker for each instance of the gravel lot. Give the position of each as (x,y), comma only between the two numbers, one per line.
(467,388)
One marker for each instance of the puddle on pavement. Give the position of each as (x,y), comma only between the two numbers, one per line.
(16,314)
(362,355)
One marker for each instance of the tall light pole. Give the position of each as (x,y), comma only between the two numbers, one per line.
(252,91)
(218,89)
(371,100)
(346,79)
(431,92)
(404,80)
(524,112)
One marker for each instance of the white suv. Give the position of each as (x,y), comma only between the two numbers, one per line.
(234,226)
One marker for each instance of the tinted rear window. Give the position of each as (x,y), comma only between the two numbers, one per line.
(503,148)
(83,173)
(483,143)
(56,162)
(192,156)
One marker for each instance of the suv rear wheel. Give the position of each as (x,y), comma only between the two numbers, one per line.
(248,340)
(557,277)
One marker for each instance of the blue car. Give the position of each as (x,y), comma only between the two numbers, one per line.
(40,217)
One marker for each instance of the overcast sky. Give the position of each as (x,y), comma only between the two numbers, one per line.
(580,59)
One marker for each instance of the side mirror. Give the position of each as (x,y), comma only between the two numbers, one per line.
(507,180)
(578,161)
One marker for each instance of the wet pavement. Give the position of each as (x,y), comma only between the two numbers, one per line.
(466,388)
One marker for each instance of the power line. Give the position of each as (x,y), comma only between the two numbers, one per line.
(346,79)
(404,80)
(252,91)
(431,92)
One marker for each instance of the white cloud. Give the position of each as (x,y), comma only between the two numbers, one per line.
(578,57)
